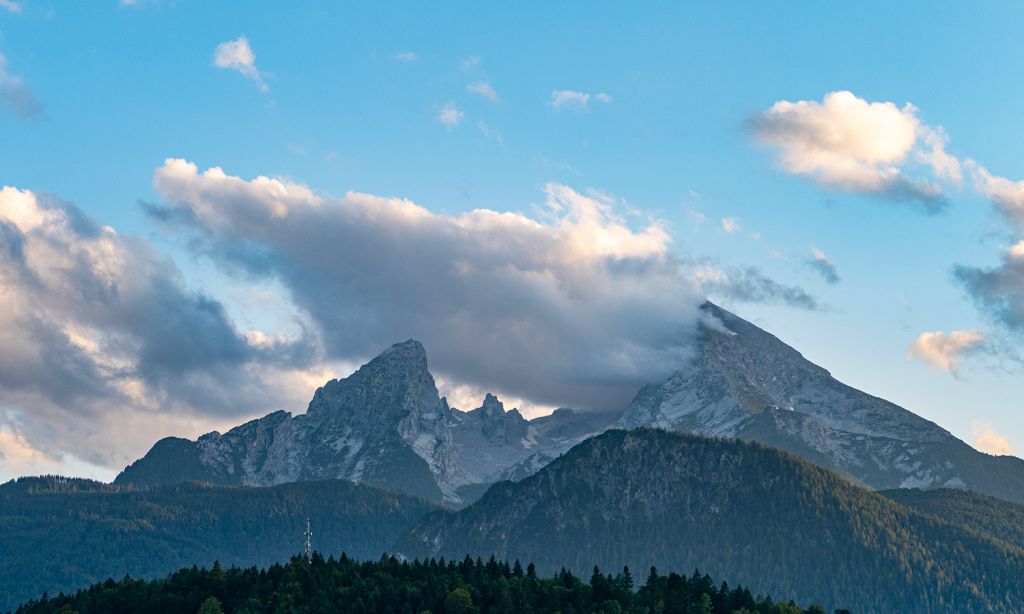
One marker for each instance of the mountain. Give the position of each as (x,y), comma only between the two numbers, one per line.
(385,425)
(743,382)
(59,534)
(996,518)
(759,516)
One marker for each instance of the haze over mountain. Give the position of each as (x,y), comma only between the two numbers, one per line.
(773,522)
(387,425)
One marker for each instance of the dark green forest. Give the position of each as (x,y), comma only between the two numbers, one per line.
(62,534)
(993,517)
(391,586)
(741,511)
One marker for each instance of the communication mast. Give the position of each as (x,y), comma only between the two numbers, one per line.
(309,542)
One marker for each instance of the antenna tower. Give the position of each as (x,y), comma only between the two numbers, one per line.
(309,542)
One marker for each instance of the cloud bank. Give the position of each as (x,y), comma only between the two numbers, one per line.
(570,306)
(99,334)
(573,308)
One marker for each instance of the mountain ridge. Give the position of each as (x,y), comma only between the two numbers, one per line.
(385,424)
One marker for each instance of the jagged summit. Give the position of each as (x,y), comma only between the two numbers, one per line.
(385,424)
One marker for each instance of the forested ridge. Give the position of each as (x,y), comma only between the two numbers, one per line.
(62,534)
(739,510)
(390,585)
(993,517)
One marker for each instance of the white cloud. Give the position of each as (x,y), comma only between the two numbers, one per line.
(10,5)
(1006,195)
(987,440)
(730,224)
(471,62)
(945,350)
(484,89)
(406,56)
(845,142)
(238,55)
(15,95)
(573,100)
(450,115)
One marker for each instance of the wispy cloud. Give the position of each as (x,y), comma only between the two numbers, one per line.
(238,55)
(10,5)
(574,100)
(450,115)
(823,266)
(490,133)
(15,95)
(1005,194)
(748,285)
(483,89)
(731,224)
(406,56)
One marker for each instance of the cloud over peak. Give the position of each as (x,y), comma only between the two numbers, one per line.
(574,307)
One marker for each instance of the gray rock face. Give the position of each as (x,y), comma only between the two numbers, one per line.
(386,425)
(746,383)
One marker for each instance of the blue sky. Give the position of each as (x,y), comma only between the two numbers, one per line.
(351,98)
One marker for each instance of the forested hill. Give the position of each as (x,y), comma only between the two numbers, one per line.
(392,586)
(999,519)
(62,534)
(739,510)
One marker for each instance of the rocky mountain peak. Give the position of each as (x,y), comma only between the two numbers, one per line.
(396,384)
(492,406)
